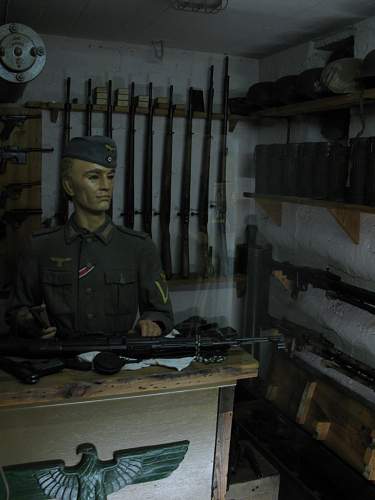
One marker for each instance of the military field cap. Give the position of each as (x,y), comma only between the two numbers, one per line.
(94,149)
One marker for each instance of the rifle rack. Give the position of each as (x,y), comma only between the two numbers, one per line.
(55,107)
(347,215)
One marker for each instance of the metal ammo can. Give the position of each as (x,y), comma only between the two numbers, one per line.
(305,169)
(320,178)
(337,171)
(262,157)
(358,160)
(277,165)
(290,168)
(370,180)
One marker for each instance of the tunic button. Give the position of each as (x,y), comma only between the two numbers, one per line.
(88,291)
(90,316)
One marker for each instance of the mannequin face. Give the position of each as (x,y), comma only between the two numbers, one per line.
(90,186)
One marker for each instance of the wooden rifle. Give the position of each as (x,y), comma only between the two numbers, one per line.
(89,108)
(204,182)
(185,190)
(129,167)
(221,193)
(108,122)
(63,202)
(147,182)
(165,196)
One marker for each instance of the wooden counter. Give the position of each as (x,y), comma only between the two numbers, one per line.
(131,409)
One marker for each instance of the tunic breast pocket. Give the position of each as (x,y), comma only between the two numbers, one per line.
(121,294)
(58,291)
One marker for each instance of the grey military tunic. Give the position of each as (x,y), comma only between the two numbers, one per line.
(93,282)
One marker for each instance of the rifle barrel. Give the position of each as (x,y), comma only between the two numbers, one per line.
(147,182)
(185,191)
(222,252)
(204,182)
(129,167)
(165,199)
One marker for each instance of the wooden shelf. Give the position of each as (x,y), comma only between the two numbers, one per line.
(347,215)
(312,202)
(301,108)
(100,108)
(315,106)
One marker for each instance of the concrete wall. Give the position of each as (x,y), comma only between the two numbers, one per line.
(310,236)
(123,63)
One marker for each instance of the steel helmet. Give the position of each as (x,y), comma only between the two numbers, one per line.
(341,76)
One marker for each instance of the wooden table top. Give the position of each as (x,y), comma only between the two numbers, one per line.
(74,386)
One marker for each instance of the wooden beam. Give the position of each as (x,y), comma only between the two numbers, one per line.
(273,209)
(349,221)
(305,402)
(223,434)
(316,105)
(311,202)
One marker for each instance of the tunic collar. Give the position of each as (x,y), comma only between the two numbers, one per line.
(103,233)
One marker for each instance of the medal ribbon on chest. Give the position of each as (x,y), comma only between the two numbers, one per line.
(84,271)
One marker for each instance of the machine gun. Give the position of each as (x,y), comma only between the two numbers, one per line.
(300,277)
(17,155)
(185,190)
(204,344)
(299,338)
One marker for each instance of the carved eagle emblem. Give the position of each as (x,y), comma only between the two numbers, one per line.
(92,478)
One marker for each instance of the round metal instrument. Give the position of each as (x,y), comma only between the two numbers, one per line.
(22,53)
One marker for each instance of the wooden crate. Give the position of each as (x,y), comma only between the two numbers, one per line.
(246,486)
(331,413)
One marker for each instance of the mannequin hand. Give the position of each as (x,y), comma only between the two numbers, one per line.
(149,328)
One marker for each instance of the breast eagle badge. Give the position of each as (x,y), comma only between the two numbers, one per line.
(91,478)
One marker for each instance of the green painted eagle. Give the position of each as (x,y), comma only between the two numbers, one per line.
(91,478)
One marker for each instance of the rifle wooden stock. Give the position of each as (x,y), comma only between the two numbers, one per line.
(63,202)
(185,191)
(165,195)
(108,122)
(129,167)
(89,108)
(147,181)
(221,193)
(204,183)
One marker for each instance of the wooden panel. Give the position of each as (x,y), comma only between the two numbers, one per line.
(329,412)
(223,435)
(349,221)
(78,386)
(29,135)
(38,434)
